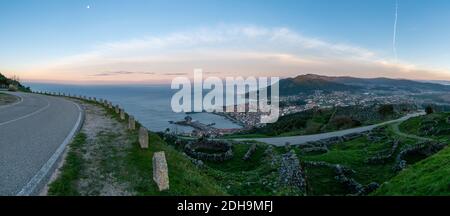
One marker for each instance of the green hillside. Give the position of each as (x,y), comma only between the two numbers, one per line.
(315,121)
(4,81)
(430,176)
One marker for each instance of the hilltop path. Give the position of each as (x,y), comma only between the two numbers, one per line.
(33,134)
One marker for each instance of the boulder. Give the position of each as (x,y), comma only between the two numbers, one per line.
(160,171)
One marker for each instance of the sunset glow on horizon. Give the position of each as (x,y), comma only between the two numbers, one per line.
(113,42)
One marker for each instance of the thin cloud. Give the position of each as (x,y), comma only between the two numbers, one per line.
(116,73)
(234,51)
(175,74)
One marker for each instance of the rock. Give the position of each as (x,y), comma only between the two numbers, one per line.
(160,171)
(287,146)
(117,109)
(143,137)
(249,153)
(122,114)
(131,123)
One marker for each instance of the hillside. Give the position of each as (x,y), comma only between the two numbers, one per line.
(5,82)
(430,176)
(327,120)
(310,82)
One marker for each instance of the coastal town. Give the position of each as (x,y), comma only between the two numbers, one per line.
(299,103)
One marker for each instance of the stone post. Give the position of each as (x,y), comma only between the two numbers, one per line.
(131,123)
(160,171)
(143,137)
(117,109)
(122,114)
(109,105)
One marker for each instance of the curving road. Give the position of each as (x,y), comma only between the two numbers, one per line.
(33,134)
(298,140)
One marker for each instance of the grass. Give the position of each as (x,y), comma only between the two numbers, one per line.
(66,183)
(132,166)
(428,177)
(185,178)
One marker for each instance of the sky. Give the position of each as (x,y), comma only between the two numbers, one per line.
(153,41)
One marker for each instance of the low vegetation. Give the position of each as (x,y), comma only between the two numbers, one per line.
(346,167)
(328,119)
(12,84)
(66,184)
(112,163)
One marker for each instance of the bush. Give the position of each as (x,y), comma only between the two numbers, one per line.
(429,110)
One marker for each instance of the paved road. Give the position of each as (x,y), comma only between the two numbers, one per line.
(297,140)
(33,134)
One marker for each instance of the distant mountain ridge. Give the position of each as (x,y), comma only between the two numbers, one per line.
(311,82)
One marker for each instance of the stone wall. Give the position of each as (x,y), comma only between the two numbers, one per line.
(291,172)
(226,148)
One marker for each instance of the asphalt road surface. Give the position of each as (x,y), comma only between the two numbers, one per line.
(33,134)
(298,140)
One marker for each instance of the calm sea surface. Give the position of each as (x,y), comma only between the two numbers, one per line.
(150,105)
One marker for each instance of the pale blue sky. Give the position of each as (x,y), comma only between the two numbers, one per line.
(40,32)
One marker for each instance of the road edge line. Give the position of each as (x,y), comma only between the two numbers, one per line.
(31,187)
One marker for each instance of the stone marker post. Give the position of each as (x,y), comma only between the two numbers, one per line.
(122,114)
(117,109)
(131,123)
(143,137)
(160,171)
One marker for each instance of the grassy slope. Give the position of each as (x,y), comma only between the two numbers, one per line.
(66,182)
(352,154)
(185,178)
(258,177)
(135,168)
(427,177)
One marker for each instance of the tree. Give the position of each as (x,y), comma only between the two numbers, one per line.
(429,110)
(386,110)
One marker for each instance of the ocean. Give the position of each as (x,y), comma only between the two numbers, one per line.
(149,104)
